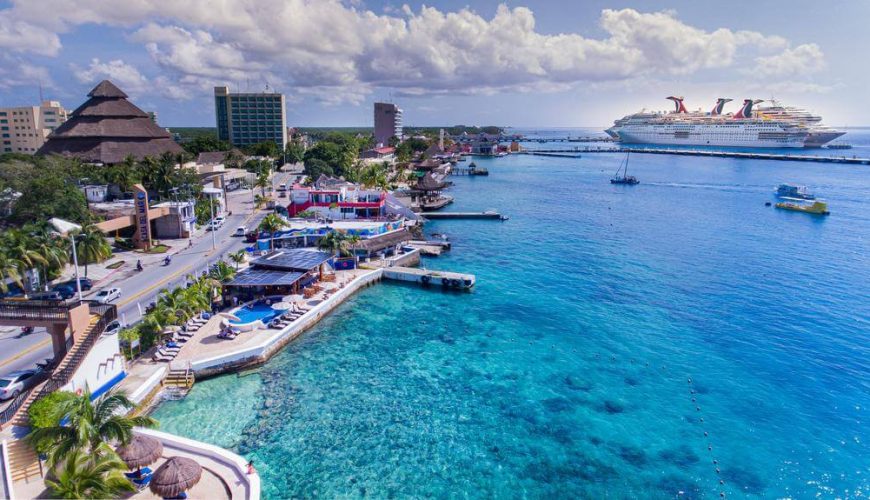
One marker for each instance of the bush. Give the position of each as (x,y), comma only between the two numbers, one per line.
(43,413)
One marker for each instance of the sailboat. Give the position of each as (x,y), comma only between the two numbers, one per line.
(624,178)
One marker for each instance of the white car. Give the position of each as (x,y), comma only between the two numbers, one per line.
(15,383)
(214,224)
(112,328)
(107,295)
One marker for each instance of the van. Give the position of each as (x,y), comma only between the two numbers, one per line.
(240,231)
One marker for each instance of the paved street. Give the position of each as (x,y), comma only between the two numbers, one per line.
(138,289)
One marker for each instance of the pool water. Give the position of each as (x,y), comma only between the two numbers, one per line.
(619,340)
(257,311)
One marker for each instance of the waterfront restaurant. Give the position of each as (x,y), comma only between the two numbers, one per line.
(282,272)
(301,234)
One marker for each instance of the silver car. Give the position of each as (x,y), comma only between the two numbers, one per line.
(15,383)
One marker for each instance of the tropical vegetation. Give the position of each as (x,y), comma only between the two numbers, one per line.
(76,433)
(33,246)
(271,224)
(91,246)
(338,243)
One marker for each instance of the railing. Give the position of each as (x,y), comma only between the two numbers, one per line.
(33,310)
(107,313)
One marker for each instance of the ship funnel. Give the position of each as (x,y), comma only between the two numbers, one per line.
(679,107)
(746,110)
(720,105)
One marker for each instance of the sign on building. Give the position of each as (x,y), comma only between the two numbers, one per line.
(142,236)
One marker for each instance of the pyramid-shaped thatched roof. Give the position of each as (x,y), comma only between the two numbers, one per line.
(107,128)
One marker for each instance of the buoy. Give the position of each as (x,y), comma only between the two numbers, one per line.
(710,448)
(705,434)
(702,419)
(690,381)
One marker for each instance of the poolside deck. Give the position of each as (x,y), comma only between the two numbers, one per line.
(206,344)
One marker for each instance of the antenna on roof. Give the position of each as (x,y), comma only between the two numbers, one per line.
(40,92)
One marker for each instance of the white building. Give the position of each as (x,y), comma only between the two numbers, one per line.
(25,129)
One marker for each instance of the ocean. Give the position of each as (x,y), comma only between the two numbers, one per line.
(677,338)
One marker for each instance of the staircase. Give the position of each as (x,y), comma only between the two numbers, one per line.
(182,378)
(64,371)
(23,461)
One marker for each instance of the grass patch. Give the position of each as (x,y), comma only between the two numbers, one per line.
(115,265)
(156,249)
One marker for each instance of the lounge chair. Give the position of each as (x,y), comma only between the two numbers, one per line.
(142,483)
(138,474)
(162,358)
(182,496)
(184,336)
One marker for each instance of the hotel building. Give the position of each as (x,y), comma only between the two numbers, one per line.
(245,119)
(388,123)
(25,129)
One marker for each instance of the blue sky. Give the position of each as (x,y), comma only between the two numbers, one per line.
(520,63)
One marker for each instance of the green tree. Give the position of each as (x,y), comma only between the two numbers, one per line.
(262,182)
(221,272)
(295,152)
(336,243)
(92,246)
(315,167)
(9,271)
(238,258)
(95,474)
(265,148)
(272,223)
(205,143)
(89,425)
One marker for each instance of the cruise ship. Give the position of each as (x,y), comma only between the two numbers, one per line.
(752,126)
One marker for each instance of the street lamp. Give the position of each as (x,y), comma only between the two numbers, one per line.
(66,228)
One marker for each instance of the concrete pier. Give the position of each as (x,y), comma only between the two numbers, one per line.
(462,215)
(441,279)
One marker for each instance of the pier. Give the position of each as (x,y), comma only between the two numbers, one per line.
(468,171)
(463,215)
(696,152)
(441,279)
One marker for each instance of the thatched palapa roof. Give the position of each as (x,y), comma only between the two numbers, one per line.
(107,128)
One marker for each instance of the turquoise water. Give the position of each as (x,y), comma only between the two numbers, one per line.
(619,341)
(256,311)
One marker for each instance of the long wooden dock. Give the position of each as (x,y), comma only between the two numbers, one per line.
(441,279)
(697,152)
(463,215)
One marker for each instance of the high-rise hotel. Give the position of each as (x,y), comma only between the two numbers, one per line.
(388,122)
(244,119)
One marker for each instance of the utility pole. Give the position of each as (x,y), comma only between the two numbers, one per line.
(211,222)
(72,238)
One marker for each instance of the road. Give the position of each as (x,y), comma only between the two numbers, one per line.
(138,289)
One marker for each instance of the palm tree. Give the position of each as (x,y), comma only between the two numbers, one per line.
(336,243)
(238,258)
(175,303)
(262,182)
(52,249)
(9,271)
(260,200)
(221,272)
(99,474)
(272,223)
(89,425)
(91,246)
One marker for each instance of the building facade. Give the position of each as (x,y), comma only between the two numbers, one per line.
(245,119)
(388,123)
(25,129)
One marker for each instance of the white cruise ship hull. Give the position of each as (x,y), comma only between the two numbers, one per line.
(729,137)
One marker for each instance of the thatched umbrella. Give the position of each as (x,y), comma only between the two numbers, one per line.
(140,451)
(175,476)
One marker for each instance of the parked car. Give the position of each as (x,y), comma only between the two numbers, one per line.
(282,187)
(52,295)
(113,328)
(86,283)
(107,295)
(65,291)
(214,224)
(17,382)
(240,231)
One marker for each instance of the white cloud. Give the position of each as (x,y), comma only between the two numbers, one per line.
(20,36)
(801,60)
(340,52)
(15,72)
(124,75)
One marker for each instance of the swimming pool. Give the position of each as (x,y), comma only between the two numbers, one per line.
(249,313)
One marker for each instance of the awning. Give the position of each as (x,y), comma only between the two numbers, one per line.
(387,240)
(265,277)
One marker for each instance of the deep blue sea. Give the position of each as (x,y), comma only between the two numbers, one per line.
(677,338)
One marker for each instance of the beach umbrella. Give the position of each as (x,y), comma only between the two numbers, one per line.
(229,316)
(140,451)
(175,476)
(293,298)
(282,306)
